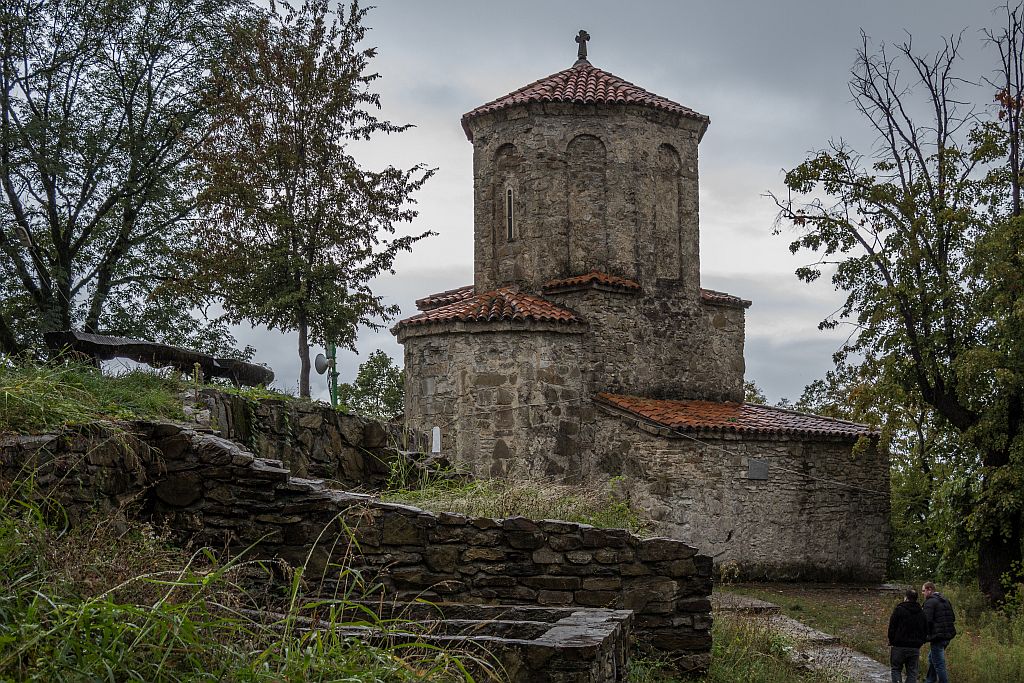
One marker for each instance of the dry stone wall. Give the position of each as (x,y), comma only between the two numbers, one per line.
(312,439)
(215,492)
(821,514)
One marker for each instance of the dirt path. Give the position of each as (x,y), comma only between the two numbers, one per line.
(813,649)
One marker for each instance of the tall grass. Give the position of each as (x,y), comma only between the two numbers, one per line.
(115,602)
(37,398)
(536,500)
(745,650)
(989,646)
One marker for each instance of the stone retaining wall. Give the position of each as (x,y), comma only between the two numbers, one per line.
(313,439)
(215,492)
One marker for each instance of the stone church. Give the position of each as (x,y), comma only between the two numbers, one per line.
(586,351)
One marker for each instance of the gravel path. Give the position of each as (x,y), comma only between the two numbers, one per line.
(813,649)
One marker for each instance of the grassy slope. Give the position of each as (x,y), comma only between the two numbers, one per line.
(34,399)
(988,649)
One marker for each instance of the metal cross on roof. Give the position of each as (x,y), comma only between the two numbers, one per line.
(582,39)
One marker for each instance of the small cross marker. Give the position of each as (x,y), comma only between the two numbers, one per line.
(582,39)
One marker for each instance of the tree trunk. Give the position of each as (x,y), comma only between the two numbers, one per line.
(8,342)
(303,328)
(999,556)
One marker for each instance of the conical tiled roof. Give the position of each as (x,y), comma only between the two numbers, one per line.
(582,83)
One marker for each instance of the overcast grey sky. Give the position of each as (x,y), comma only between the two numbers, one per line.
(771,75)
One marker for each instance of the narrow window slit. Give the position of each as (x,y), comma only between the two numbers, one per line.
(510,230)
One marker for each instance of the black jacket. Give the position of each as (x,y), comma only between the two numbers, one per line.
(907,626)
(940,616)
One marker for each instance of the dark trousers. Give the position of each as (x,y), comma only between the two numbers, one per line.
(900,657)
(937,662)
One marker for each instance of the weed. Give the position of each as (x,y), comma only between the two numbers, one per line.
(536,500)
(114,601)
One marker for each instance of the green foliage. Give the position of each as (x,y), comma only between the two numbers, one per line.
(295,229)
(101,113)
(753,394)
(378,391)
(537,500)
(38,398)
(111,601)
(924,238)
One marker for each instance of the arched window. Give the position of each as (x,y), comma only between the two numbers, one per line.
(666,213)
(587,201)
(510,215)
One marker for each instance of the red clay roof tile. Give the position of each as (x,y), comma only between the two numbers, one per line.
(594,278)
(581,83)
(505,304)
(448,296)
(713,297)
(744,418)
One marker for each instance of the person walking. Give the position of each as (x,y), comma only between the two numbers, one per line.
(941,629)
(908,631)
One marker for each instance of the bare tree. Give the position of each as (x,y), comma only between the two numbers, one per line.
(912,232)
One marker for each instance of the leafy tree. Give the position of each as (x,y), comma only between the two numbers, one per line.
(101,110)
(753,394)
(378,390)
(905,230)
(294,231)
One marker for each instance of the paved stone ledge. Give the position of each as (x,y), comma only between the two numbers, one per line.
(517,644)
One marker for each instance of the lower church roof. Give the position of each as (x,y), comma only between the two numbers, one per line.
(594,278)
(741,418)
(501,305)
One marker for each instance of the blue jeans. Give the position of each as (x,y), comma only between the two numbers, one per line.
(900,657)
(937,662)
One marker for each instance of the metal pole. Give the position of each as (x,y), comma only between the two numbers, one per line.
(332,373)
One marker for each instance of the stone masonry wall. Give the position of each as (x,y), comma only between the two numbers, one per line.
(821,514)
(508,399)
(659,344)
(312,439)
(587,181)
(215,492)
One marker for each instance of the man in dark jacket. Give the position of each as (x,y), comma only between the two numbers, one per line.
(941,630)
(908,631)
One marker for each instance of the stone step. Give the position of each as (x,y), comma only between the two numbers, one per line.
(723,601)
(857,666)
(802,634)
